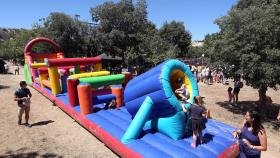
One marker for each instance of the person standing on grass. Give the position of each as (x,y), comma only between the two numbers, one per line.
(17,69)
(230,95)
(6,66)
(22,96)
(236,89)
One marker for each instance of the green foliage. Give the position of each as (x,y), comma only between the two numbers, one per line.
(249,39)
(123,30)
(120,26)
(14,47)
(176,34)
(119,29)
(153,50)
(70,33)
(195,52)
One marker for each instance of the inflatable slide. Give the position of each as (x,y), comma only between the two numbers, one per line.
(147,120)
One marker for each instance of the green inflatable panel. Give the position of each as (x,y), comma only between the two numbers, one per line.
(71,71)
(27,75)
(100,81)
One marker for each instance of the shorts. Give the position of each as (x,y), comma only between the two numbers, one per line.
(24,107)
(198,124)
(236,90)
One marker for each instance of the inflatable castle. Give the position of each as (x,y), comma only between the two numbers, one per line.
(148,120)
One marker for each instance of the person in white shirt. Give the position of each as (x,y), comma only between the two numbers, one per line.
(6,66)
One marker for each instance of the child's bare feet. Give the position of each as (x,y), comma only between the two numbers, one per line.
(193,145)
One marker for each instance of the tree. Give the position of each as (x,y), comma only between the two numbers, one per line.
(195,52)
(122,29)
(70,33)
(249,39)
(119,26)
(14,47)
(153,50)
(176,34)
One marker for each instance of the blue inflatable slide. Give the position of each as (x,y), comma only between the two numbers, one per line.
(151,123)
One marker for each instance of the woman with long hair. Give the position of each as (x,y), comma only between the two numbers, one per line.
(252,136)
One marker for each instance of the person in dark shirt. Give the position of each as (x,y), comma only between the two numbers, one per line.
(236,89)
(252,139)
(22,96)
(197,110)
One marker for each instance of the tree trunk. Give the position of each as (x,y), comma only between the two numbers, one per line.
(262,95)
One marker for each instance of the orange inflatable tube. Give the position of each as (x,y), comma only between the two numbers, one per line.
(127,77)
(72,85)
(118,92)
(85,98)
(46,83)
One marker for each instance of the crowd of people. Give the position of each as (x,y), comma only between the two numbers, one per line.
(7,68)
(208,75)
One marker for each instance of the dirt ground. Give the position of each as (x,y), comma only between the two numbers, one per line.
(55,134)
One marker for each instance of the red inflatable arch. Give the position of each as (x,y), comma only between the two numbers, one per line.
(41,39)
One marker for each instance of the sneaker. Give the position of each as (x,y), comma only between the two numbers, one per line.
(19,122)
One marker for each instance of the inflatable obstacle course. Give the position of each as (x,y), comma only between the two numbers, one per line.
(148,120)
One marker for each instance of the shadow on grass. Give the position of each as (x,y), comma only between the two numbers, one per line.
(41,123)
(4,87)
(268,112)
(11,154)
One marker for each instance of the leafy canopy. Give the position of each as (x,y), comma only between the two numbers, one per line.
(175,33)
(249,40)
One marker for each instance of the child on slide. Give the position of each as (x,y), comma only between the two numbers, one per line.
(182,91)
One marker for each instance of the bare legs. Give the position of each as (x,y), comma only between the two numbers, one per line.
(235,97)
(182,96)
(22,110)
(27,109)
(195,135)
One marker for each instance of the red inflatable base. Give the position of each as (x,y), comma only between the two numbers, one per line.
(105,137)
(232,151)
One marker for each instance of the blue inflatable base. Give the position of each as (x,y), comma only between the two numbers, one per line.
(217,135)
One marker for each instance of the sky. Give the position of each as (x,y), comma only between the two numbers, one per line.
(198,15)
